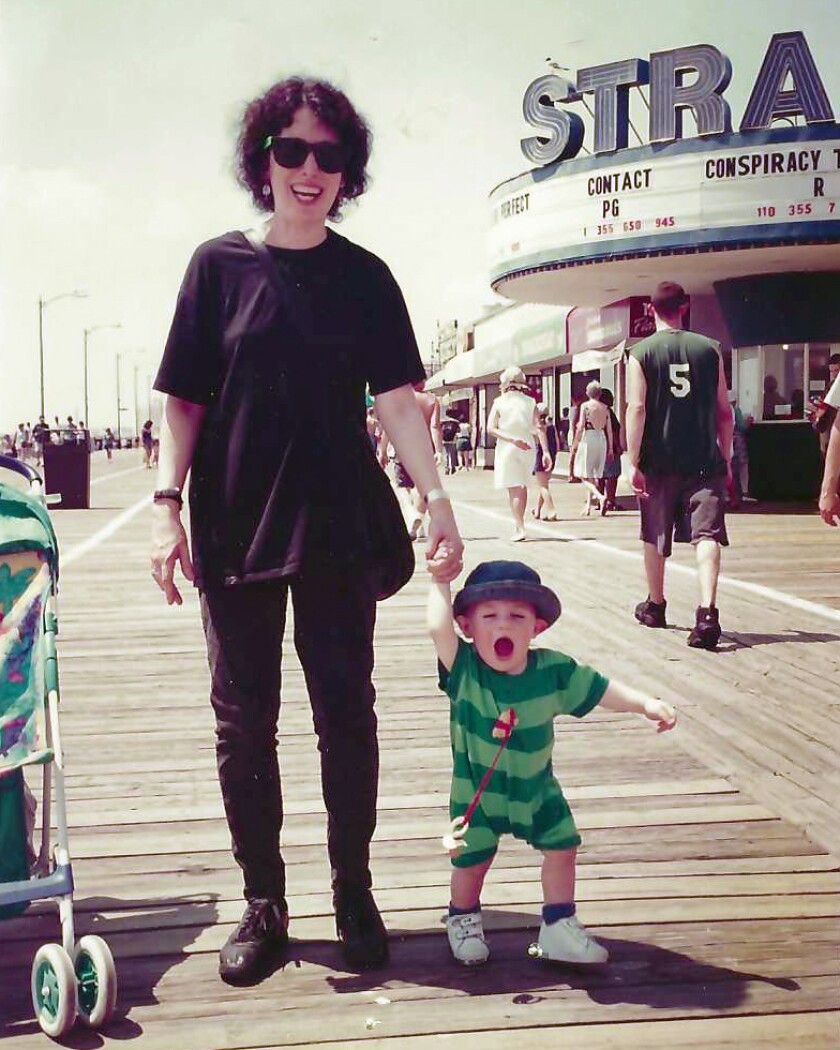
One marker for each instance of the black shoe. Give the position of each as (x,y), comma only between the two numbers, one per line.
(651,614)
(706,631)
(258,945)
(360,929)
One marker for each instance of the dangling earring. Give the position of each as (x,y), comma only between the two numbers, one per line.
(266,190)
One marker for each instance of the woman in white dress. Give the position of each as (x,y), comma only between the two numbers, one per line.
(592,443)
(514,423)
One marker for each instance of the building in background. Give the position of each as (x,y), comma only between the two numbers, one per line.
(748,222)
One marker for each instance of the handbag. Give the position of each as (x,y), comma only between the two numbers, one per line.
(390,550)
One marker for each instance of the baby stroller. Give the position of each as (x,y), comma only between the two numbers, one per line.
(70,979)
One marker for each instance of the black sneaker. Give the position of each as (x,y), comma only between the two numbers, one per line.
(360,929)
(706,631)
(651,614)
(258,945)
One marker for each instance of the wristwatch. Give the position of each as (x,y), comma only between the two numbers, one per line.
(168,494)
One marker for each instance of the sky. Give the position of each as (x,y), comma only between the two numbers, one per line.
(117,127)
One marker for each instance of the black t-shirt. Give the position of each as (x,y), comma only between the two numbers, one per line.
(681,371)
(279,344)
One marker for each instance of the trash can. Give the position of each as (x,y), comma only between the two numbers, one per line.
(67,472)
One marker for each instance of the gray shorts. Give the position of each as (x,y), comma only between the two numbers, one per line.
(688,508)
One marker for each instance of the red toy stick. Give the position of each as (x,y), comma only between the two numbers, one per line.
(503,727)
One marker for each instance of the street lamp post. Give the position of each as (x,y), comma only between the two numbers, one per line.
(42,305)
(89,332)
(119,405)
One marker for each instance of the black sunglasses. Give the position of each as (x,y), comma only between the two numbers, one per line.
(292,153)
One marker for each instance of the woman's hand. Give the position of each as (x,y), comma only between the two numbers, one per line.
(444,548)
(830,508)
(522,443)
(637,482)
(546,462)
(169,545)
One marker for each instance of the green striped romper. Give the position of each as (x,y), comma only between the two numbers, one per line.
(523,797)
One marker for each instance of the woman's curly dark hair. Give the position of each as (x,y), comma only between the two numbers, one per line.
(275,110)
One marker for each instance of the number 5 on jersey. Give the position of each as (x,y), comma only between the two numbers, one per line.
(680,382)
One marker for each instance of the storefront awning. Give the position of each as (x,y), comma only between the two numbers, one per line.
(589,360)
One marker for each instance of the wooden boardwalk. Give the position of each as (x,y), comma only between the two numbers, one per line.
(707,865)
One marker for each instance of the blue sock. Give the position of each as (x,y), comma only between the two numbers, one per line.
(464,911)
(554,912)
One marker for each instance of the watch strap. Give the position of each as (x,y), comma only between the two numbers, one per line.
(168,494)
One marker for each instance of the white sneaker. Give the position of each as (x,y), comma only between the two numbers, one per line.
(466,938)
(567,941)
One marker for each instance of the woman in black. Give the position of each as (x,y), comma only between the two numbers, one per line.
(274,338)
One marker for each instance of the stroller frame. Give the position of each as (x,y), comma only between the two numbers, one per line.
(88,988)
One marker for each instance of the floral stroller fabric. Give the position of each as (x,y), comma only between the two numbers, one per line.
(73,979)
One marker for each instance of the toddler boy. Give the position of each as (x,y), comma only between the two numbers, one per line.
(501,608)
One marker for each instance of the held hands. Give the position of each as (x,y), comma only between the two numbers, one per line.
(521,443)
(661,713)
(444,548)
(546,461)
(169,545)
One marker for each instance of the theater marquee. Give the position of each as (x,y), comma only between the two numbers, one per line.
(719,189)
(689,193)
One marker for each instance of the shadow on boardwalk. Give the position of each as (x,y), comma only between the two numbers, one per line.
(127,925)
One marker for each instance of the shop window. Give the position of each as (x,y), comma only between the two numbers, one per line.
(783,394)
(749,381)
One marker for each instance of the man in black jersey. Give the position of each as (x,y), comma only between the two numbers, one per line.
(679,436)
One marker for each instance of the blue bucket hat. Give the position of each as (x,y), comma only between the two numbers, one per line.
(510,581)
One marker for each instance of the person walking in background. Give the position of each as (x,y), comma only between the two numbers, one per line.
(612,465)
(108,442)
(413,504)
(514,423)
(830,489)
(449,427)
(40,436)
(740,456)
(592,444)
(821,414)
(574,416)
(464,446)
(542,473)
(679,443)
(23,441)
(287,497)
(146,444)
(563,431)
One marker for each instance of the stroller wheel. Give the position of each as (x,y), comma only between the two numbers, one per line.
(96,976)
(54,990)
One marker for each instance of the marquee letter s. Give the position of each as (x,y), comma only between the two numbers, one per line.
(565,128)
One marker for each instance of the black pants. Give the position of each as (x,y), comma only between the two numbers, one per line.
(334,622)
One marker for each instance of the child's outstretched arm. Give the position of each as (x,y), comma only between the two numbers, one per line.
(620,697)
(440,623)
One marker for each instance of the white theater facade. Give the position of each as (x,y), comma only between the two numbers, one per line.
(748,222)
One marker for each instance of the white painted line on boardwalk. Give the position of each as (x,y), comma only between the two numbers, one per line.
(116,474)
(757,589)
(114,525)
